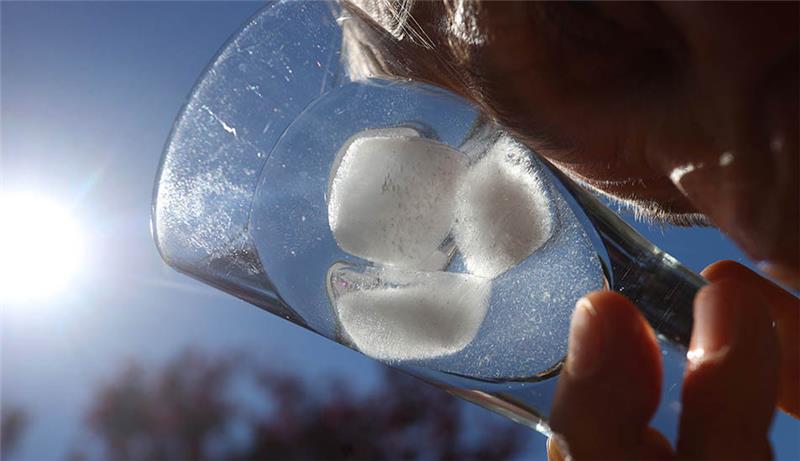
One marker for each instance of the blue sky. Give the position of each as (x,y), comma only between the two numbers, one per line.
(89,92)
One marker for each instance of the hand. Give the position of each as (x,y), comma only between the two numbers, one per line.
(739,367)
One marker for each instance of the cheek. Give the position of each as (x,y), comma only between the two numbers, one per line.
(567,86)
(598,138)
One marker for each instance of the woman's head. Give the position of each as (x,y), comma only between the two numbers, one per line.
(687,112)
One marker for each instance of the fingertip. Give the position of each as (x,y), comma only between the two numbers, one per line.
(610,386)
(612,303)
(730,387)
(785,310)
(730,316)
(602,326)
(588,337)
(724,269)
(553,451)
(727,269)
(625,320)
(716,323)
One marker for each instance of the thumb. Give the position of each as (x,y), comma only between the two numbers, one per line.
(610,385)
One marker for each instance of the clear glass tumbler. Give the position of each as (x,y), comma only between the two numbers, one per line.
(271,189)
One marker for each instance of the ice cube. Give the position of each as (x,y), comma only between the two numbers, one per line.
(502,213)
(391,198)
(396,132)
(399,316)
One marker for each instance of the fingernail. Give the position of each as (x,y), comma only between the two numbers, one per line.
(715,326)
(586,338)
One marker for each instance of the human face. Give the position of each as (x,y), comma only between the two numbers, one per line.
(680,109)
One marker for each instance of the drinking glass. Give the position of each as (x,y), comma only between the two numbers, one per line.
(246,198)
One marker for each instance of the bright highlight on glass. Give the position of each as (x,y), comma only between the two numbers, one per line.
(41,245)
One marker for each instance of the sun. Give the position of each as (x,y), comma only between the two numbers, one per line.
(41,247)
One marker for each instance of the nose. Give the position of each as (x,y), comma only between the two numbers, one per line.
(740,89)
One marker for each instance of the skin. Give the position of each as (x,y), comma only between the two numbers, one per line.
(603,413)
(689,113)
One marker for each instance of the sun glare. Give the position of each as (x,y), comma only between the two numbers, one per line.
(41,247)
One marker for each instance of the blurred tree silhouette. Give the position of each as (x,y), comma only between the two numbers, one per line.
(187,411)
(12,426)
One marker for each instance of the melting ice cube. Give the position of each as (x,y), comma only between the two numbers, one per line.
(391,198)
(502,213)
(397,315)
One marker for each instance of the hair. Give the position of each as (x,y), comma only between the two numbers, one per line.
(374,28)
(383,38)
(363,22)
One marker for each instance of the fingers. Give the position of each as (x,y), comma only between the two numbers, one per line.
(610,385)
(729,389)
(655,447)
(785,310)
